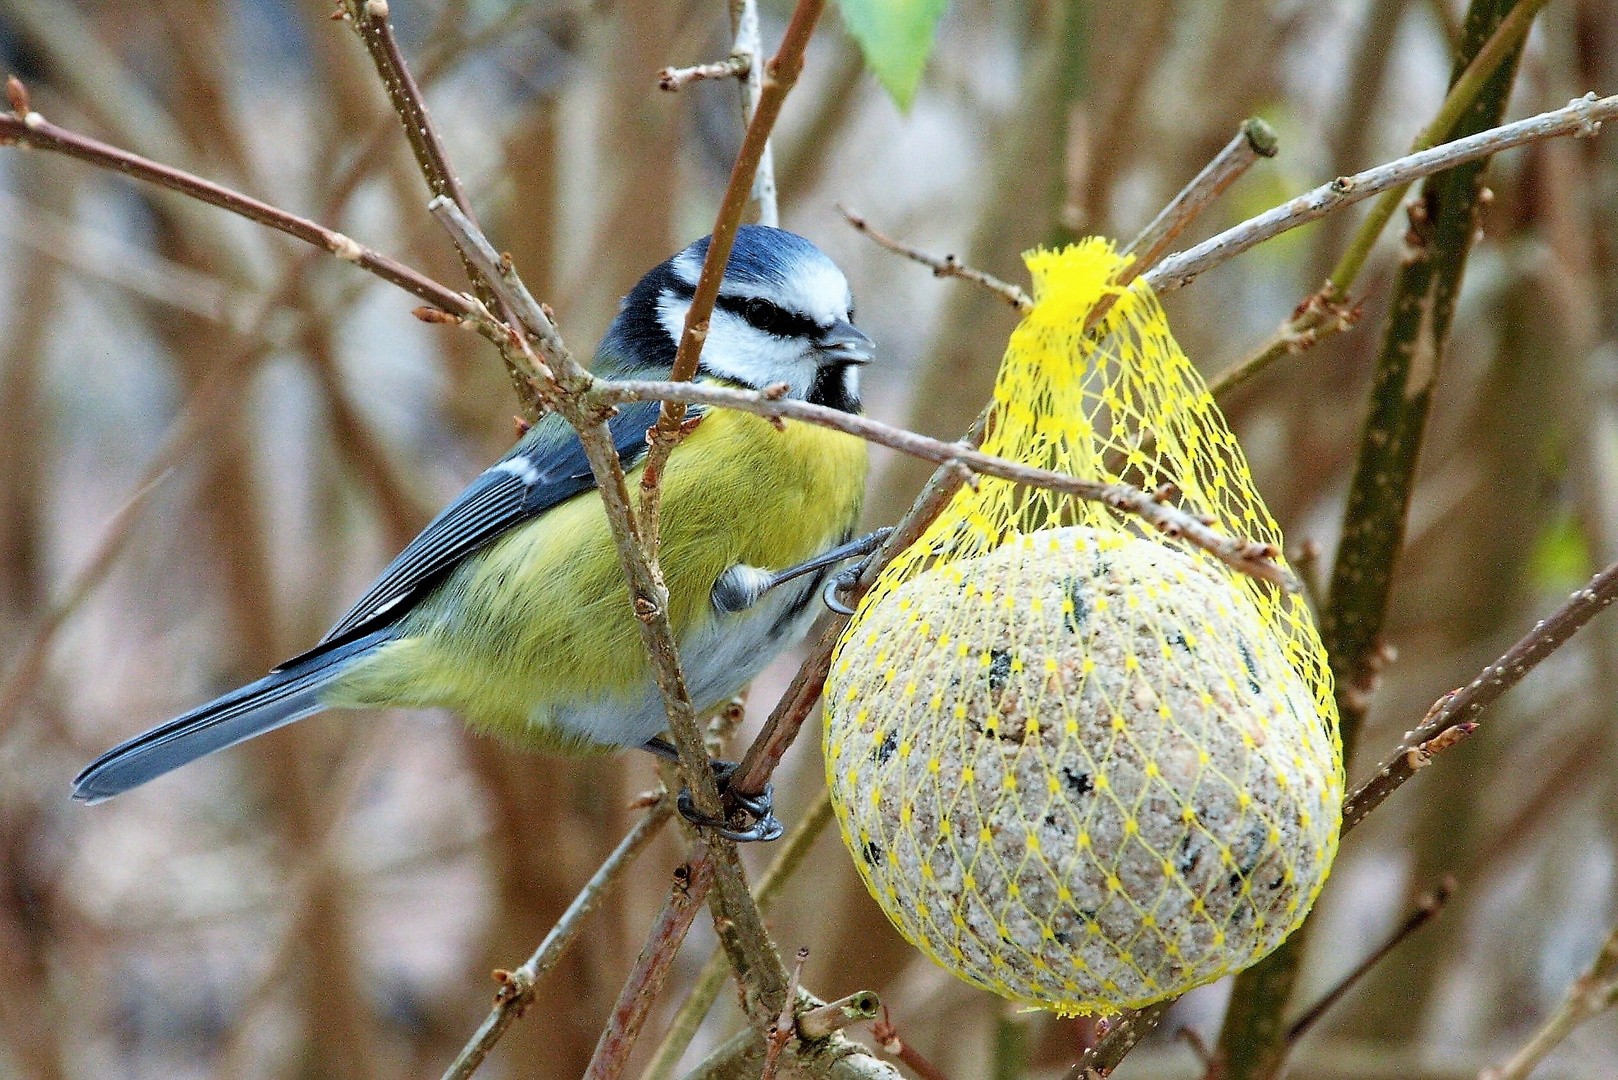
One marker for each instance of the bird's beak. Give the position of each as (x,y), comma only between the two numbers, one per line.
(843,343)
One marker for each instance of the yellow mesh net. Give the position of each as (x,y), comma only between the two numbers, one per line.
(1079,765)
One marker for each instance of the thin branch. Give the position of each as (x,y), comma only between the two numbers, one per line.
(1427,909)
(517,988)
(1591,994)
(887,1037)
(779,76)
(371,21)
(1454,716)
(945,266)
(33,131)
(750,48)
(692,880)
(1580,117)
(785,1027)
(1255,140)
(1255,559)
(672,79)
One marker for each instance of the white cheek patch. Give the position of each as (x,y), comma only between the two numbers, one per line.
(736,350)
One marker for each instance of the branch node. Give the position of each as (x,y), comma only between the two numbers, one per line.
(17,94)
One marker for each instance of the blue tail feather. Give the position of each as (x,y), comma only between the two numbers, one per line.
(279,698)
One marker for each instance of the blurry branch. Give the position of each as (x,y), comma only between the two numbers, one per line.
(1444,225)
(691,882)
(1503,43)
(30,662)
(779,75)
(1255,559)
(705,991)
(1591,994)
(946,266)
(24,127)
(101,255)
(672,79)
(1453,716)
(1327,312)
(812,147)
(518,988)
(1255,140)
(887,1037)
(1427,909)
(1580,117)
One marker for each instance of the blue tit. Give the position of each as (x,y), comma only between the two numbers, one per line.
(511,608)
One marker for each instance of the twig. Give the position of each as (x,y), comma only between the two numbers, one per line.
(1581,117)
(778,78)
(781,1032)
(672,79)
(692,880)
(705,991)
(33,131)
(1255,559)
(1502,43)
(749,47)
(887,1037)
(371,21)
(817,1023)
(1454,716)
(945,266)
(1591,994)
(517,988)
(1255,140)
(1427,909)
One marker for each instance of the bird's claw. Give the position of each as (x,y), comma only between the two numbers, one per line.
(766,826)
(848,578)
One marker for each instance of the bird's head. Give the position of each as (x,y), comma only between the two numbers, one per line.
(784,315)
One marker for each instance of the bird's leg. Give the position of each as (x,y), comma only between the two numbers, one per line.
(766,826)
(847,579)
(742,586)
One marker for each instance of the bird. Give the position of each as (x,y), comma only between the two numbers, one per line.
(510,607)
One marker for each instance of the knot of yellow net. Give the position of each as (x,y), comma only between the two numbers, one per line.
(1081,766)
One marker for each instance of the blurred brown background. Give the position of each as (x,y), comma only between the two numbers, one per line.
(329,900)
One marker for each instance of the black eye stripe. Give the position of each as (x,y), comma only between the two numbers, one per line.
(771,318)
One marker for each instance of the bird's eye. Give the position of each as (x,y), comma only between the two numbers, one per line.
(774,319)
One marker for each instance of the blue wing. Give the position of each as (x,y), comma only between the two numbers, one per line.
(546,467)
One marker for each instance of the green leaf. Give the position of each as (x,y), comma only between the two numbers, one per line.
(896,37)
